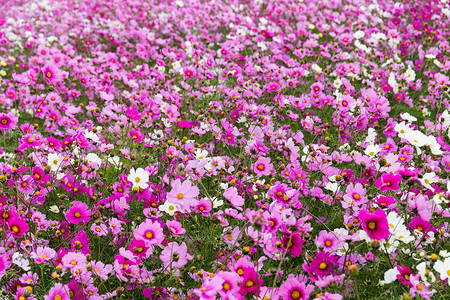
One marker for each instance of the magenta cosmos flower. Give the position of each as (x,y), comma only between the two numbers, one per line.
(57,292)
(184,194)
(8,121)
(79,212)
(150,232)
(263,167)
(5,264)
(376,224)
(17,226)
(292,289)
(388,181)
(51,73)
(293,243)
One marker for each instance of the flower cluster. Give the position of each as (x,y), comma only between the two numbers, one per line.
(224,149)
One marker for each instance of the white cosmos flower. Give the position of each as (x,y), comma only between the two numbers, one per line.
(115,161)
(372,150)
(54,208)
(93,158)
(54,160)
(200,154)
(406,116)
(139,178)
(425,273)
(409,75)
(21,261)
(445,119)
(393,82)
(435,148)
(428,179)
(402,129)
(169,208)
(390,276)
(398,228)
(216,202)
(440,198)
(443,267)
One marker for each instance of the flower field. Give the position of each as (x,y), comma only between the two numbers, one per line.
(224,149)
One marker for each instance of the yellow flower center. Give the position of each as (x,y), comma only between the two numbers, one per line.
(15,229)
(4,121)
(323,266)
(149,235)
(77,215)
(371,225)
(180,196)
(295,294)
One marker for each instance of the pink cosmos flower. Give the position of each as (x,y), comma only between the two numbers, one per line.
(183,194)
(231,194)
(292,289)
(150,232)
(8,121)
(209,288)
(388,181)
(140,248)
(328,241)
(293,243)
(51,73)
(420,288)
(43,254)
(73,259)
(204,207)
(230,283)
(376,224)
(175,255)
(175,227)
(79,212)
(5,263)
(100,269)
(58,291)
(189,72)
(17,226)
(262,167)
(80,243)
(136,135)
(250,281)
(404,274)
(322,265)
(99,230)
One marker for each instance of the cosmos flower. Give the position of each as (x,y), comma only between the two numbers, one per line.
(8,121)
(293,289)
(139,178)
(262,167)
(150,232)
(375,224)
(79,212)
(51,73)
(184,194)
